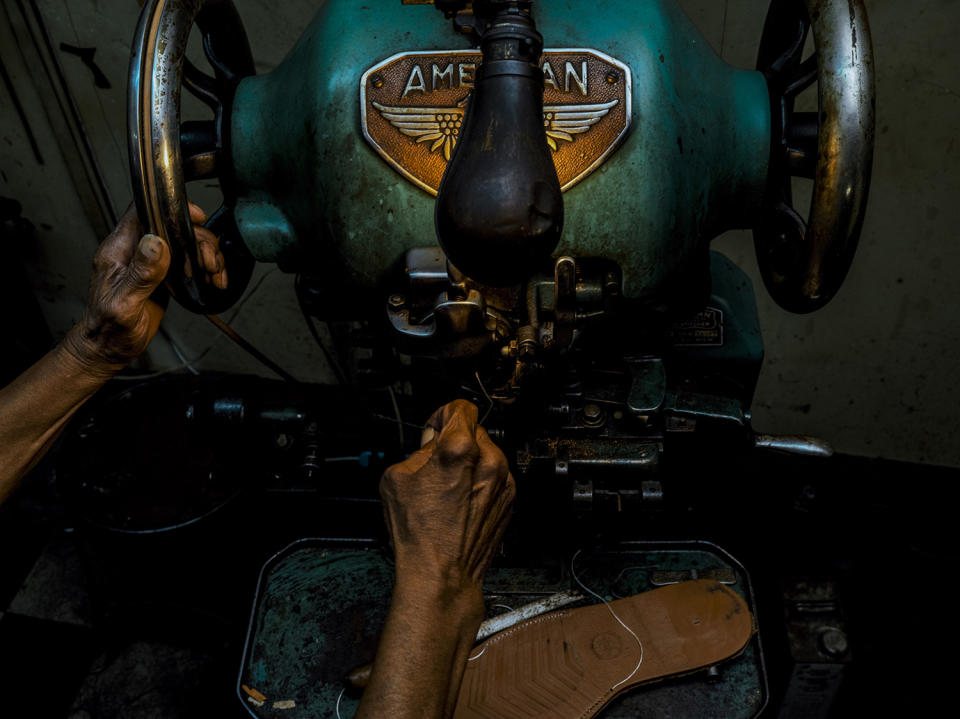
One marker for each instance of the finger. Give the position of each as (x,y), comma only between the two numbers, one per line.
(490,487)
(459,409)
(197,216)
(504,514)
(493,466)
(429,433)
(148,267)
(490,450)
(207,254)
(208,250)
(118,247)
(457,441)
(493,527)
(220,279)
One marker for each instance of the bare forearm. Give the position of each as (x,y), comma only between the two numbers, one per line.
(423,651)
(35,408)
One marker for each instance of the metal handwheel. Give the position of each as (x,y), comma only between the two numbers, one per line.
(165,153)
(804,261)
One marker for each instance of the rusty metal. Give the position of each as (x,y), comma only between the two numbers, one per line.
(804,261)
(583,128)
(160,155)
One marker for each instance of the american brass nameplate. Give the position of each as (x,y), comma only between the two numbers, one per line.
(412,107)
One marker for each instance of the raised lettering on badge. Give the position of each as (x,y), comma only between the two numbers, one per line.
(413,104)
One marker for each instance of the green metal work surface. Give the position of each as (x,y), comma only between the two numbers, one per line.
(318,613)
(320,607)
(313,191)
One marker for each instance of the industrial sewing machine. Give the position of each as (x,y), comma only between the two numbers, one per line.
(513,202)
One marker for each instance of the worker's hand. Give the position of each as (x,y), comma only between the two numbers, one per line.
(448,504)
(121,317)
(208,251)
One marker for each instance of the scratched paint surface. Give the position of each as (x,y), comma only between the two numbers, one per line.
(319,613)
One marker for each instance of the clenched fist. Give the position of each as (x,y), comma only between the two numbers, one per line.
(448,504)
(446,508)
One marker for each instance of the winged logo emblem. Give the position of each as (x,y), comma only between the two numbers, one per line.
(440,126)
(413,104)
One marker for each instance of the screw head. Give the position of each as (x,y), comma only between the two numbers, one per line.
(397,301)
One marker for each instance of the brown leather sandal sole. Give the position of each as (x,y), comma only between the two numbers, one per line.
(569,664)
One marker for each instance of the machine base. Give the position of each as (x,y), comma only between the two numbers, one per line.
(321,603)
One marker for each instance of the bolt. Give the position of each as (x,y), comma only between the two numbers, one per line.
(613,76)
(282,440)
(376,81)
(397,302)
(592,414)
(833,642)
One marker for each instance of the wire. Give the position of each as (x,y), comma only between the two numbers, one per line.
(477,656)
(385,418)
(485,394)
(396,411)
(587,589)
(184,362)
(266,361)
(328,356)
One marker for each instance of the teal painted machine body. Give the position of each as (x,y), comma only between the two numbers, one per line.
(315,196)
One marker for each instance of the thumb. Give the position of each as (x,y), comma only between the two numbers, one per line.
(148,267)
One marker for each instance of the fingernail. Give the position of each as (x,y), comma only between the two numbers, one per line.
(428,434)
(151,246)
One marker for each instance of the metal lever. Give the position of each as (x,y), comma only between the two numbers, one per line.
(798,444)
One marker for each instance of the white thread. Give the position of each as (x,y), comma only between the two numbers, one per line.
(470,659)
(337,708)
(613,614)
(501,606)
(396,413)
(485,394)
